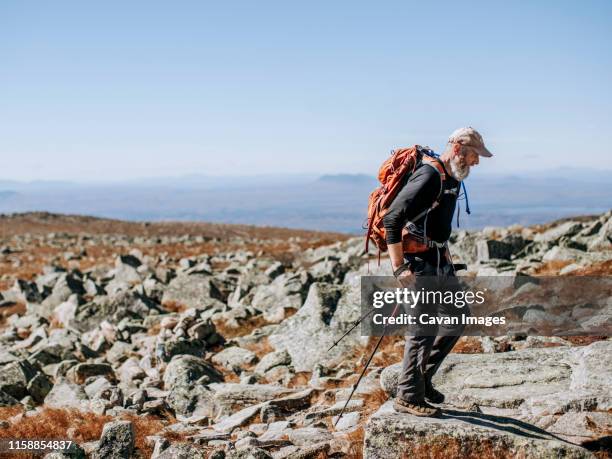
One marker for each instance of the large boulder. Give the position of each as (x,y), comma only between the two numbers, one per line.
(187,378)
(194,291)
(66,285)
(530,382)
(286,291)
(14,378)
(117,441)
(389,435)
(234,358)
(7,400)
(603,239)
(187,369)
(67,395)
(569,229)
(491,249)
(329,310)
(126,270)
(231,396)
(112,309)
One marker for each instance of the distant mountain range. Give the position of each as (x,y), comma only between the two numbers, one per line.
(328,202)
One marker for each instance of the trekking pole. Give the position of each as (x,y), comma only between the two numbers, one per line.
(365,368)
(357,322)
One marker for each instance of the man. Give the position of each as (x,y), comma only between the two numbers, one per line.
(423,353)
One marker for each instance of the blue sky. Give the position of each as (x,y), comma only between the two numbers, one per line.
(117,90)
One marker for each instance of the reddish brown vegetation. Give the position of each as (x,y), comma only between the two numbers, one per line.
(596,269)
(37,223)
(551,268)
(51,423)
(244,327)
(173,306)
(584,340)
(280,243)
(54,423)
(467,345)
(261,347)
(300,379)
(7,311)
(355,439)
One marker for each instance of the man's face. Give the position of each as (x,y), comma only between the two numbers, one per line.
(464,157)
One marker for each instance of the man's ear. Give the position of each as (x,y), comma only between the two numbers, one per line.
(457,149)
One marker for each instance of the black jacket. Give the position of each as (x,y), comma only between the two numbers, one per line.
(419,192)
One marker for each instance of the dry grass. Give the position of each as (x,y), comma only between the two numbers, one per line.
(387,354)
(7,412)
(228,375)
(374,400)
(244,328)
(173,306)
(584,340)
(551,268)
(147,426)
(282,244)
(468,345)
(54,423)
(54,323)
(596,269)
(355,439)
(51,423)
(261,347)
(300,379)
(38,223)
(154,330)
(7,311)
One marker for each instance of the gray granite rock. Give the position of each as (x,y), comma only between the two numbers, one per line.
(116,442)
(194,291)
(271,360)
(67,395)
(535,381)
(187,369)
(231,396)
(234,358)
(308,334)
(389,434)
(14,378)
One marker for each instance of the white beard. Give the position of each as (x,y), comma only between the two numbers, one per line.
(458,171)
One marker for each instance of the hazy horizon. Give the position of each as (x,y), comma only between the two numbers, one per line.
(327,202)
(562,170)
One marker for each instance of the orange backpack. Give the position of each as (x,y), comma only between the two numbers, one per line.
(391,175)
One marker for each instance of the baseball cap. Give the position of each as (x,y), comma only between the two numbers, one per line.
(470,137)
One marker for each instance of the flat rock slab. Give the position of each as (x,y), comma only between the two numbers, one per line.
(389,434)
(231,397)
(548,381)
(194,291)
(238,419)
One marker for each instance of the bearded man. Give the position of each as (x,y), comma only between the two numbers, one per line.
(414,208)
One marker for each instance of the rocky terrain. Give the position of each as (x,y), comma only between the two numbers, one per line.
(180,340)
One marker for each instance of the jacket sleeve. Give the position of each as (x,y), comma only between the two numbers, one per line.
(417,195)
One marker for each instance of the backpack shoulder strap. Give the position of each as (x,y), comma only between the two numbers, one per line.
(436,164)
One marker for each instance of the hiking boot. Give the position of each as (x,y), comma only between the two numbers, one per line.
(434,396)
(421,409)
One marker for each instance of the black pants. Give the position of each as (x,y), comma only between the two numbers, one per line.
(426,348)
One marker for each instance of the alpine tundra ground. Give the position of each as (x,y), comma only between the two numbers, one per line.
(207,340)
